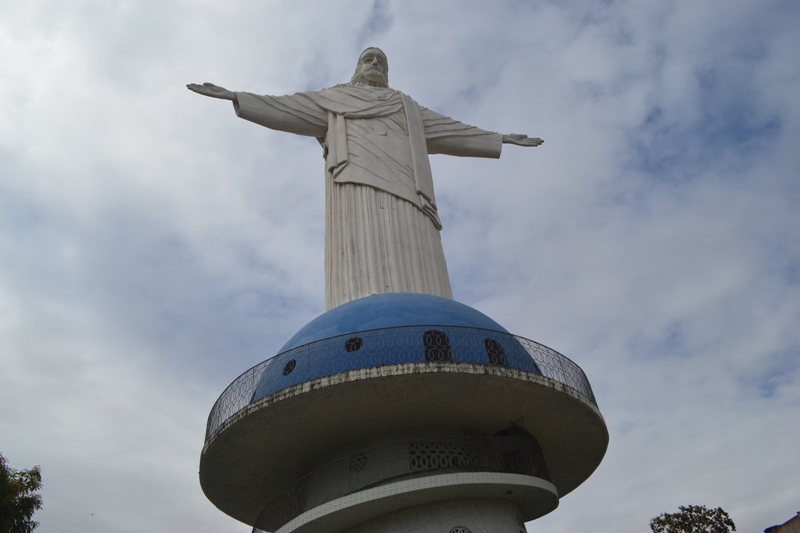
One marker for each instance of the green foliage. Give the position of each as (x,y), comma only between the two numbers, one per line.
(18,498)
(693,519)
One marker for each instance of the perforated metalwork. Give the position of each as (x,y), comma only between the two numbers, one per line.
(428,455)
(358,462)
(402,461)
(460,529)
(393,346)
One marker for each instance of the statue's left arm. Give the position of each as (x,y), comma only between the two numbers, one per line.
(521,140)
(451,137)
(444,135)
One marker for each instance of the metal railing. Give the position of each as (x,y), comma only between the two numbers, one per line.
(400,462)
(394,346)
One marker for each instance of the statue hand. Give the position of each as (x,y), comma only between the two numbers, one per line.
(214,91)
(521,140)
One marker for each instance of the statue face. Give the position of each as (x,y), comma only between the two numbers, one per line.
(374,67)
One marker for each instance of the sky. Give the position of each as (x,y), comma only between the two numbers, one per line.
(153,246)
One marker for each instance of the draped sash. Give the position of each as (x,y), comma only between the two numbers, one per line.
(357,102)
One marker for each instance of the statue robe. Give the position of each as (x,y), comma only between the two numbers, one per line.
(382,225)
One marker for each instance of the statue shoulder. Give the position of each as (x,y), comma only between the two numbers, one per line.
(349,88)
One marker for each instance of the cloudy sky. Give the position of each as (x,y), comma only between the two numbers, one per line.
(153,246)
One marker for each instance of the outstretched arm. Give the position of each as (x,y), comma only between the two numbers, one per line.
(521,140)
(214,91)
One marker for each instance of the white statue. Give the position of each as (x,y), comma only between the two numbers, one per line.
(382,225)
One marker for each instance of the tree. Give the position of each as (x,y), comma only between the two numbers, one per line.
(18,498)
(693,519)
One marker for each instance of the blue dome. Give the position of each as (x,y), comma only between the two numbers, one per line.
(389,311)
(388,329)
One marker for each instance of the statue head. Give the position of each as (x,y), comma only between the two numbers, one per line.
(372,69)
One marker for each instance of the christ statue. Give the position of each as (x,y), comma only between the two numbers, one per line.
(381,225)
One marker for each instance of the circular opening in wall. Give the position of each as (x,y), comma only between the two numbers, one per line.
(460,529)
(353,344)
(289,367)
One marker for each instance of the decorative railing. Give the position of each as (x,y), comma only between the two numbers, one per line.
(400,462)
(394,346)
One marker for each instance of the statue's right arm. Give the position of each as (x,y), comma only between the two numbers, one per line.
(214,91)
(295,113)
(292,113)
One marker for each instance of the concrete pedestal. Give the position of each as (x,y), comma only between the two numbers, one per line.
(402,412)
(468,516)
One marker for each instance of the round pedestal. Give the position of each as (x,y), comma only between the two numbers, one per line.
(467,516)
(396,405)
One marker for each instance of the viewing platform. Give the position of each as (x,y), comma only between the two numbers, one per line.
(393,401)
